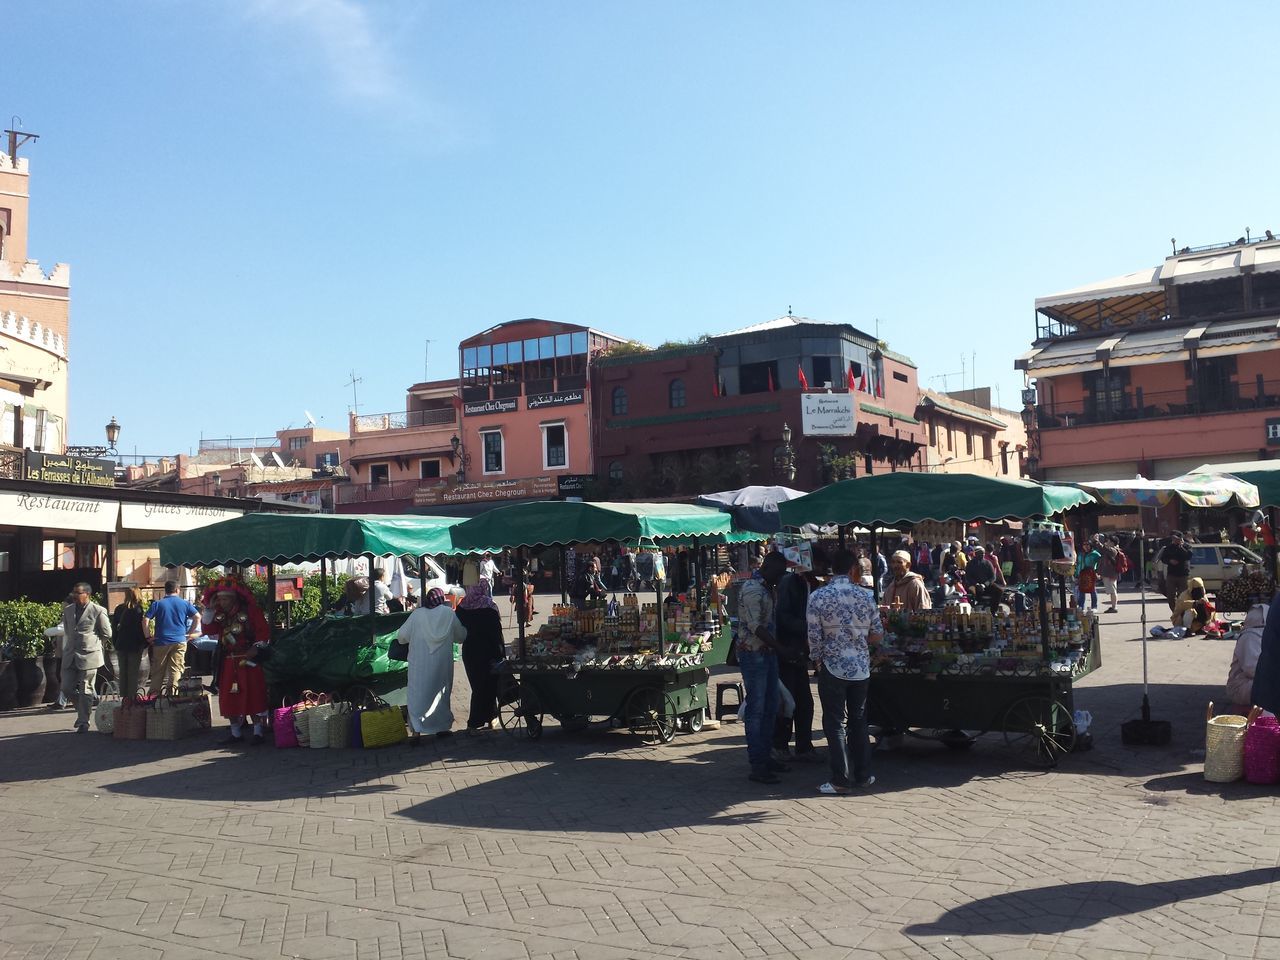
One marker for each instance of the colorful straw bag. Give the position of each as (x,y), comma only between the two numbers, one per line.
(316,721)
(1224,746)
(282,726)
(170,719)
(338,726)
(131,720)
(377,724)
(1262,750)
(104,714)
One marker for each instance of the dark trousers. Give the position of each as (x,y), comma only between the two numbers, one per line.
(795,677)
(1173,587)
(484,689)
(844,721)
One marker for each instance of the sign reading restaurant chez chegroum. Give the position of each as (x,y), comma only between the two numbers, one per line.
(59,468)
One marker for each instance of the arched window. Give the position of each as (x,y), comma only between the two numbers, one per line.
(619,401)
(675,394)
(615,472)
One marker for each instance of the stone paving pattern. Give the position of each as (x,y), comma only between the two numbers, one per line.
(587,846)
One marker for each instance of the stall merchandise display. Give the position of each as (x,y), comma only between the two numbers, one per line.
(625,639)
(954,642)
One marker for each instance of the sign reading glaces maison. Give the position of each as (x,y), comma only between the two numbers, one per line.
(828,414)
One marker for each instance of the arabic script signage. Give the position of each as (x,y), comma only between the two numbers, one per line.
(490,406)
(60,513)
(562,399)
(827,414)
(1273,432)
(525,488)
(53,468)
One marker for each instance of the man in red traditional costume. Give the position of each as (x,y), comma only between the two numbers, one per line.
(233,616)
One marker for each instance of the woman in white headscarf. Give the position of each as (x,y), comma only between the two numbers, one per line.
(431,631)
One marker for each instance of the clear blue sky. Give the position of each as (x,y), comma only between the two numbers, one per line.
(258,197)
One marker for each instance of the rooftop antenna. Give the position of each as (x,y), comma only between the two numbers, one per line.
(311,421)
(17,138)
(426,361)
(355,404)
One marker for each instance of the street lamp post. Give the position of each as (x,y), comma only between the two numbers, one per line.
(113,434)
(461,459)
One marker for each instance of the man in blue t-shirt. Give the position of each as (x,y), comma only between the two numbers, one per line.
(171,622)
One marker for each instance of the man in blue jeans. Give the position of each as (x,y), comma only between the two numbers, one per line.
(171,622)
(758,650)
(842,618)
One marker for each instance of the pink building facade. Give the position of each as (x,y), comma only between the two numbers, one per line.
(1159,371)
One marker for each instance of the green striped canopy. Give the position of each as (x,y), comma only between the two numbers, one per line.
(293,538)
(889,499)
(554,523)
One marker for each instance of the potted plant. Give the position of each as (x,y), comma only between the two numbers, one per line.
(24,623)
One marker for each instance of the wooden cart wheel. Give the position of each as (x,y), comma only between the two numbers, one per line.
(1039,730)
(522,716)
(650,713)
(692,721)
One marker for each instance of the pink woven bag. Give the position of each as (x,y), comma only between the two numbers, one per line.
(1262,751)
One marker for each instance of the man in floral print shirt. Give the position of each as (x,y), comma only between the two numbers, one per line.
(842,618)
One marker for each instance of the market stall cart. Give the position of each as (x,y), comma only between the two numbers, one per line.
(951,674)
(642,666)
(328,653)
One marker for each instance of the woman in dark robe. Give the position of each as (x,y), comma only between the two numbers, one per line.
(1266,676)
(481,651)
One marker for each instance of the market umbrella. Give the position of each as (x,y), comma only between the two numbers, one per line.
(890,499)
(292,538)
(560,523)
(754,507)
(1196,489)
(1263,474)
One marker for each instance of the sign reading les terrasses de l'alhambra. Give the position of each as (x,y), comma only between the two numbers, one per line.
(60,468)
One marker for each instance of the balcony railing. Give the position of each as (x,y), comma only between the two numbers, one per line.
(240,443)
(382,492)
(1135,404)
(402,420)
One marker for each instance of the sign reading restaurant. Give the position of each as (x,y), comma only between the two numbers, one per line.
(521,489)
(827,415)
(562,399)
(490,406)
(56,468)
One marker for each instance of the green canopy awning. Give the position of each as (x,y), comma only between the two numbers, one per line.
(889,499)
(554,523)
(291,538)
(1263,474)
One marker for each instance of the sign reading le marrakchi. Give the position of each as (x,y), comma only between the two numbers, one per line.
(828,414)
(55,468)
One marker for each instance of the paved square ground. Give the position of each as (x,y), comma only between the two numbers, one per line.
(586,845)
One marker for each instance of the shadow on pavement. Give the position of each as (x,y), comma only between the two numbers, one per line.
(1194,784)
(1073,906)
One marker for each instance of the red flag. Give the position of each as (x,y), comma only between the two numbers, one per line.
(862,384)
(771,387)
(804,381)
(715,386)
(879,388)
(849,378)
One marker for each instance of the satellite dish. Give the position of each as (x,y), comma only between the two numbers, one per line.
(311,421)
(276,457)
(257,461)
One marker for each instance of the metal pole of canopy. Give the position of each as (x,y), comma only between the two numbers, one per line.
(662,614)
(875,579)
(1142,589)
(1044,609)
(840,534)
(519,599)
(422,579)
(564,587)
(373,623)
(324,589)
(271,593)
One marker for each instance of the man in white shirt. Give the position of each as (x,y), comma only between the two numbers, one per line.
(488,569)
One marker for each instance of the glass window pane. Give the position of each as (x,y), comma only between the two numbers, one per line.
(531,349)
(513,352)
(469,358)
(563,341)
(580,342)
(483,356)
(499,354)
(547,348)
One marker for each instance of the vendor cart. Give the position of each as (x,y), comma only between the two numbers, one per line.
(651,702)
(327,653)
(959,679)
(586,665)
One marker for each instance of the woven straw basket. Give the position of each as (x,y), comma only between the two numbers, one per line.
(1224,746)
(338,726)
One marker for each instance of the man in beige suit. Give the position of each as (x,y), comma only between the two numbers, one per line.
(85,625)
